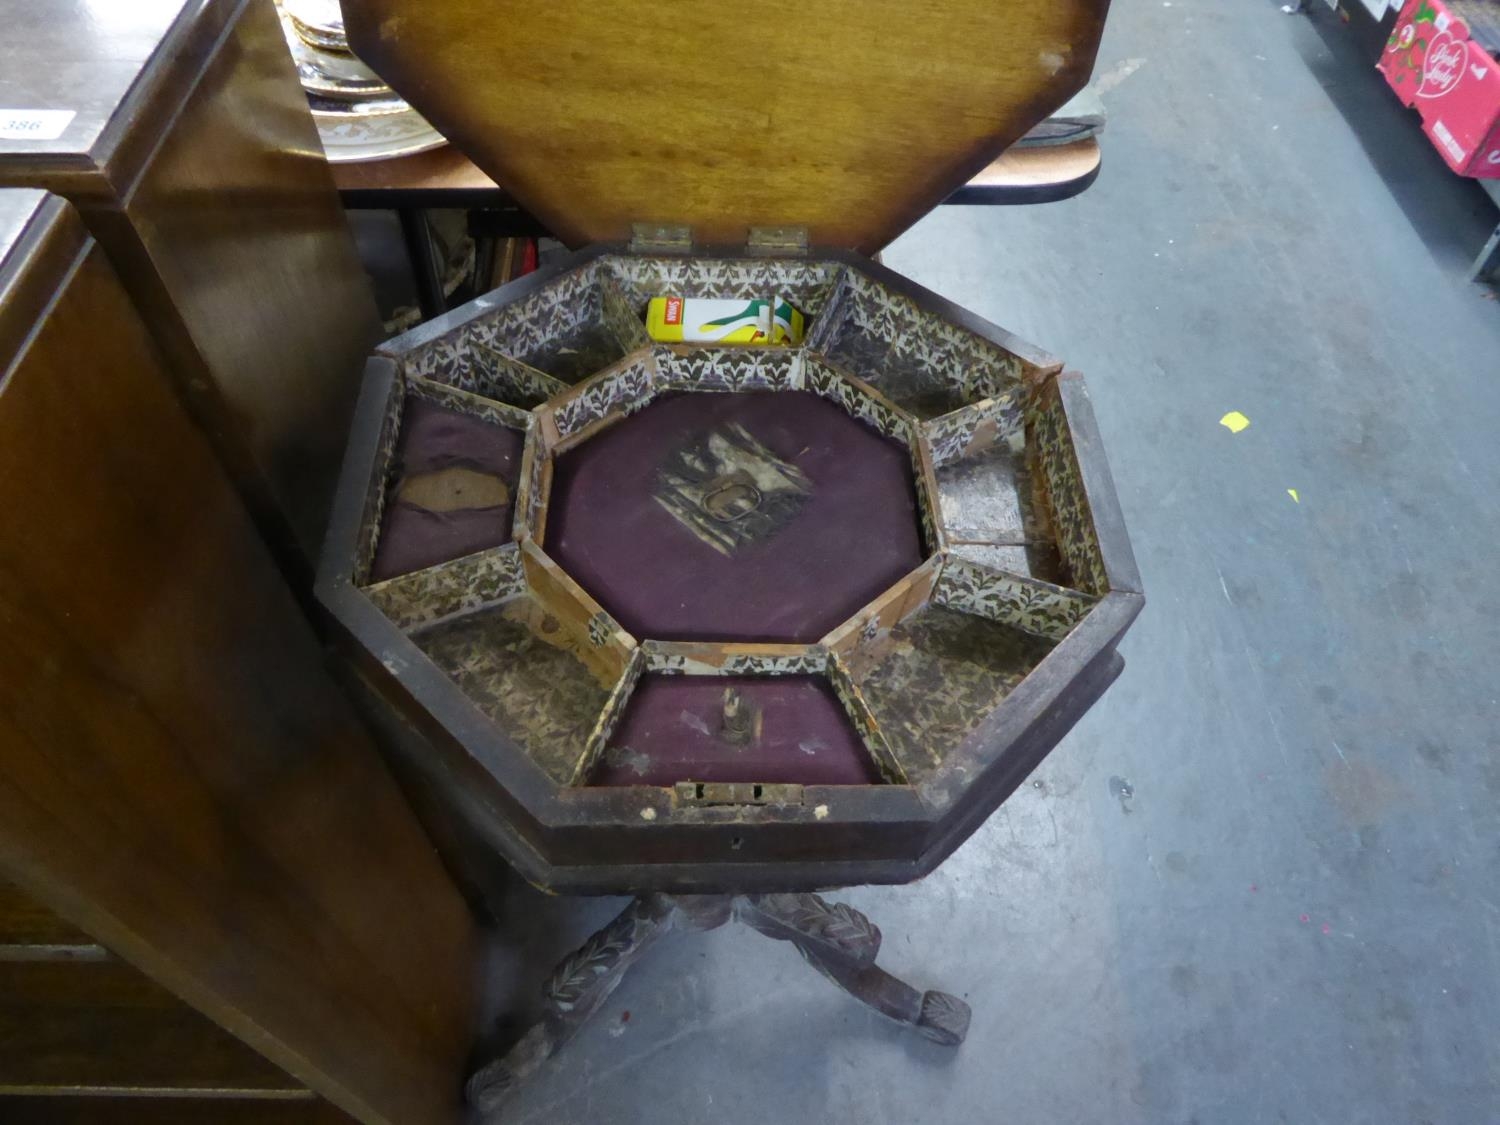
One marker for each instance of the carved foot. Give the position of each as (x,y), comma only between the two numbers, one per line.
(583,982)
(842,944)
(490,1085)
(944,1018)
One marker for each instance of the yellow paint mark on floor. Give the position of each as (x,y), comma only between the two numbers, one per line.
(1234,421)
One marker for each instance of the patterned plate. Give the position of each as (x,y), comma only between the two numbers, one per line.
(380,130)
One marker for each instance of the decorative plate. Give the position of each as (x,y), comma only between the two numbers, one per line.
(378,130)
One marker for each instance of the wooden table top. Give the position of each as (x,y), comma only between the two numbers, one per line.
(445,177)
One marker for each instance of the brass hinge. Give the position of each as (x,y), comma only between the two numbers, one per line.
(777,242)
(737,793)
(661,238)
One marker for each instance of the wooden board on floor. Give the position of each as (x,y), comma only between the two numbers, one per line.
(103,1026)
(26,922)
(168,1111)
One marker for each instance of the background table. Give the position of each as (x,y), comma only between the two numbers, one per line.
(445,178)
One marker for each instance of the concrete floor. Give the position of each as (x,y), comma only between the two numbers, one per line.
(1294,917)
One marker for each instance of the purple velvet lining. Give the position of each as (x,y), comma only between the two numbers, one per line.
(434,437)
(669,733)
(853,537)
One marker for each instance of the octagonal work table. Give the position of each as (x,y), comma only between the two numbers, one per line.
(720,626)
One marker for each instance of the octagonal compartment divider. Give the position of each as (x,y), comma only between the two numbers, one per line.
(459,586)
(747,668)
(461,358)
(866,403)
(604,646)
(879,617)
(693,367)
(581,411)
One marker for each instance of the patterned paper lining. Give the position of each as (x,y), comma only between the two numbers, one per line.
(734,659)
(609,718)
(378,484)
(1036,607)
(920,361)
(730,369)
(459,360)
(1047,432)
(530,678)
(865,725)
(859,400)
(531,497)
(460,586)
(619,393)
(467,402)
(970,429)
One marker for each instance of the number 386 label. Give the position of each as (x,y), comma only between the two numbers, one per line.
(34,124)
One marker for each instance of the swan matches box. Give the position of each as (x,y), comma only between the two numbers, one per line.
(707,320)
(1433,65)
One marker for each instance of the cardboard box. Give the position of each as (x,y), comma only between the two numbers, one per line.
(1453,83)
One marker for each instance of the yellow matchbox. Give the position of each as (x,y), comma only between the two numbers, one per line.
(701,320)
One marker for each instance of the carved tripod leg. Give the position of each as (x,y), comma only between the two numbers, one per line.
(584,980)
(841,943)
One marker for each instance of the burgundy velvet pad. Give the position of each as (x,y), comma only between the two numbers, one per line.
(853,537)
(669,733)
(434,437)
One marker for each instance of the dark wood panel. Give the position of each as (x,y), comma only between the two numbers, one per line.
(105,1026)
(178,775)
(243,241)
(196,162)
(24,921)
(167,1111)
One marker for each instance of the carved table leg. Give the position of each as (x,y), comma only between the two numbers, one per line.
(585,979)
(842,944)
(837,940)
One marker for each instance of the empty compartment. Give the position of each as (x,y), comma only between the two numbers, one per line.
(920,361)
(995,513)
(933,677)
(450,484)
(575,325)
(939,677)
(527,673)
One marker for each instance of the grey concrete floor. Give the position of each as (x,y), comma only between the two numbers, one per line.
(1294,917)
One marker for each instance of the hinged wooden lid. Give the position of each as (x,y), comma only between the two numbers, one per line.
(851,118)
